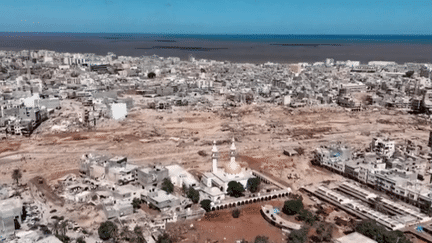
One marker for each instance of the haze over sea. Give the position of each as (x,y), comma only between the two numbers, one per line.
(234,48)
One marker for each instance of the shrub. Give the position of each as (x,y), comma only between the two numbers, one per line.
(164,238)
(151,75)
(107,230)
(202,153)
(236,213)
(167,185)
(261,239)
(80,240)
(324,232)
(307,216)
(206,204)
(298,236)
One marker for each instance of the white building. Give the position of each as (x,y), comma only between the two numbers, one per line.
(118,111)
(350,63)
(180,176)
(232,171)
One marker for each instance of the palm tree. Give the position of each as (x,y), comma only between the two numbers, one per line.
(56,226)
(63,227)
(126,234)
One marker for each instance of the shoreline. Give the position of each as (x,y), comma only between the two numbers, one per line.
(232,51)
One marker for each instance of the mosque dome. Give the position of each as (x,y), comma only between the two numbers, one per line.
(233,167)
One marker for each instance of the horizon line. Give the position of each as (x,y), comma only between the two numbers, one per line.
(204,34)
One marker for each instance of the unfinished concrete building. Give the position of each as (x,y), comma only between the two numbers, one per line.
(151,176)
(10,216)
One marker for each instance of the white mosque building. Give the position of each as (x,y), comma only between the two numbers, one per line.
(219,178)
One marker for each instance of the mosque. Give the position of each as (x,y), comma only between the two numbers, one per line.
(232,171)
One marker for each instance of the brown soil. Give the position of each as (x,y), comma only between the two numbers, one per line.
(262,150)
(6,146)
(220,224)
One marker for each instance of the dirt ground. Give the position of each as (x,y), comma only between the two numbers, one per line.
(222,227)
(261,133)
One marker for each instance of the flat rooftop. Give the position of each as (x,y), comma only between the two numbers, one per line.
(355,238)
(10,203)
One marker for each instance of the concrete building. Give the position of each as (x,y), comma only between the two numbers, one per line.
(213,194)
(180,176)
(397,177)
(160,198)
(151,176)
(126,193)
(334,157)
(383,147)
(117,209)
(10,215)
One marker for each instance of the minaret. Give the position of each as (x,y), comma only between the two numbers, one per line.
(215,156)
(233,152)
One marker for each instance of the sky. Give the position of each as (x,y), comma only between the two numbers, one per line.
(218,16)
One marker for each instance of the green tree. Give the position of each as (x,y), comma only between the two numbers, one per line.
(136,203)
(261,239)
(236,213)
(167,185)
(235,189)
(164,238)
(292,207)
(324,232)
(16,175)
(379,233)
(107,230)
(307,216)
(253,184)
(298,236)
(193,195)
(80,240)
(126,234)
(206,204)
(139,238)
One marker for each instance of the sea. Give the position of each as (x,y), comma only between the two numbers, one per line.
(232,48)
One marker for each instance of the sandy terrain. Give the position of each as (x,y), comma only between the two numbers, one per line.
(148,136)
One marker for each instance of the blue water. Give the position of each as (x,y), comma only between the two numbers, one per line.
(237,48)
